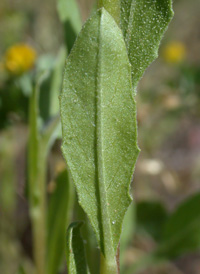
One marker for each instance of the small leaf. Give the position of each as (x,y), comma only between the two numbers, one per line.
(76,260)
(182,230)
(99,127)
(91,246)
(143,23)
(59,214)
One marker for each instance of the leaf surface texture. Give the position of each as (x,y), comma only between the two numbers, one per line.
(99,127)
(143,23)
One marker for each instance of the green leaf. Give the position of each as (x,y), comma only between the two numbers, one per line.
(70,17)
(34,135)
(151,217)
(113,7)
(98,115)
(76,260)
(182,230)
(91,246)
(59,215)
(143,23)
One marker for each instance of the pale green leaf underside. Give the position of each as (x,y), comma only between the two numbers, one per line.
(143,23)
(99,127)
(76,260)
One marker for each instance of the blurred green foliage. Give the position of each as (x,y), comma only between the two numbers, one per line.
(168,120)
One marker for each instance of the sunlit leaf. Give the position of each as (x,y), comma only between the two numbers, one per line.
(99,127)
(143,23)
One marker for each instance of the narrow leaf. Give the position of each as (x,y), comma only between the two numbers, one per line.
(76,260)
(34,136)
(91,246)
(143,23)
(99,127)
(59,214)
(37,180)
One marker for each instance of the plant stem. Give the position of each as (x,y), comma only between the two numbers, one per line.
(39,220)
(36,180)
(107,266)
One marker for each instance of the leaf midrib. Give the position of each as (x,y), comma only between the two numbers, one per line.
(105,234)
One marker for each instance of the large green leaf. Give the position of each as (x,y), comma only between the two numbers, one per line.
(99,127)
(76,260)
(143,23)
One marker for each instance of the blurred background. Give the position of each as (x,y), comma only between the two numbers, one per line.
(34,39)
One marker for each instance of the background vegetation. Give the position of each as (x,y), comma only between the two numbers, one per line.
(168,169)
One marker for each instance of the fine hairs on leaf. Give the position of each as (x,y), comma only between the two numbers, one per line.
(143,24)
(99,126)
(98,111)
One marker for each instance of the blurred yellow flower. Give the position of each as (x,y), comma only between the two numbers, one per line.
(19,59)
(174,52)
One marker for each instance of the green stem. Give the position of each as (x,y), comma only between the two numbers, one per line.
(37,180)
(107,266)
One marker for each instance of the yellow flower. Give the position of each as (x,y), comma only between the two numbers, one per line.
(174,52)
(19,59)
